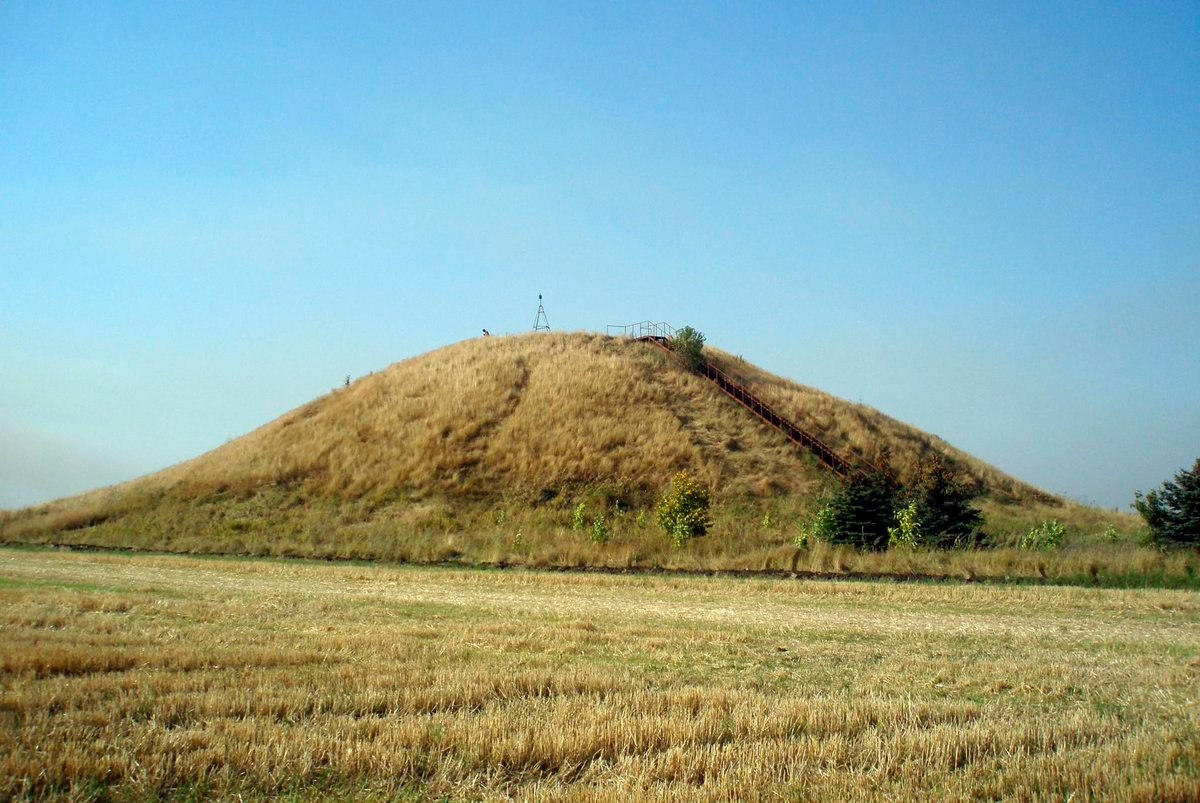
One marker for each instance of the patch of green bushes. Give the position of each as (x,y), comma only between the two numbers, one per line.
(1049,535)
(688,343)
(871,510)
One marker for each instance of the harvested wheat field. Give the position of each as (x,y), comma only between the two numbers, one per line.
(169,677)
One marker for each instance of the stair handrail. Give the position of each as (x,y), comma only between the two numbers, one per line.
(741,394)
(793,431)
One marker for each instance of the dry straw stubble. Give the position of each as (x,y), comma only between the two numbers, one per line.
(169,677)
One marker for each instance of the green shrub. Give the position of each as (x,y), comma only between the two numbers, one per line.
(600,534)
(871,510)
(689,345)
(1048,536)
(863,509)
(823,527)
(683,511)
(907,532)
(579,517)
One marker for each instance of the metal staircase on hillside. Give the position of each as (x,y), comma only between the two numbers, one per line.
(660,334)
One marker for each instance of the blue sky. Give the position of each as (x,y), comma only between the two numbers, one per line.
(983,219)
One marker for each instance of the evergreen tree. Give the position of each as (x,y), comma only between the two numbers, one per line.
(864,508)
(945,517)
(1173,511)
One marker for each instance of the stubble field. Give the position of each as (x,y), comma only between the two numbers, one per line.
(166,677)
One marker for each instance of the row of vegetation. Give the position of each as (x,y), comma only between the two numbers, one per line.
(873,511)
(609,527)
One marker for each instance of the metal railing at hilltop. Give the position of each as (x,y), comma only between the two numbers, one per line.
(643,330)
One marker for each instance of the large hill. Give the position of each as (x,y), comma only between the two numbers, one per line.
(529,425)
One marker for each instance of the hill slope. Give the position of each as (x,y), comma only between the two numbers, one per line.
(532,416)
(528,423)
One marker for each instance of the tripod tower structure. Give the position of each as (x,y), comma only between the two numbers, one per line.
(541,323)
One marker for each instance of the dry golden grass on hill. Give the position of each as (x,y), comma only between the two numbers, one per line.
(506,416)
(536,417)
(171,678)
(515,430)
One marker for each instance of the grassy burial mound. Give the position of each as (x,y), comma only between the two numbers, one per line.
(499,449)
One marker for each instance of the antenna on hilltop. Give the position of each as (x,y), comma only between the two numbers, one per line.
(541,323)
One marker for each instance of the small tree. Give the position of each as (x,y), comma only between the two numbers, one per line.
(579,516)
(600,532)
(823,527)
(683,511)
(1173,511)
(864,508)
(688,343)
(945,517)
(907,532)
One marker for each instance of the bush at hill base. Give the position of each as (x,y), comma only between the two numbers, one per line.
(945,516)
(863,509)
(872,510)
(1173,511)
(1049,535)
(683,511)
